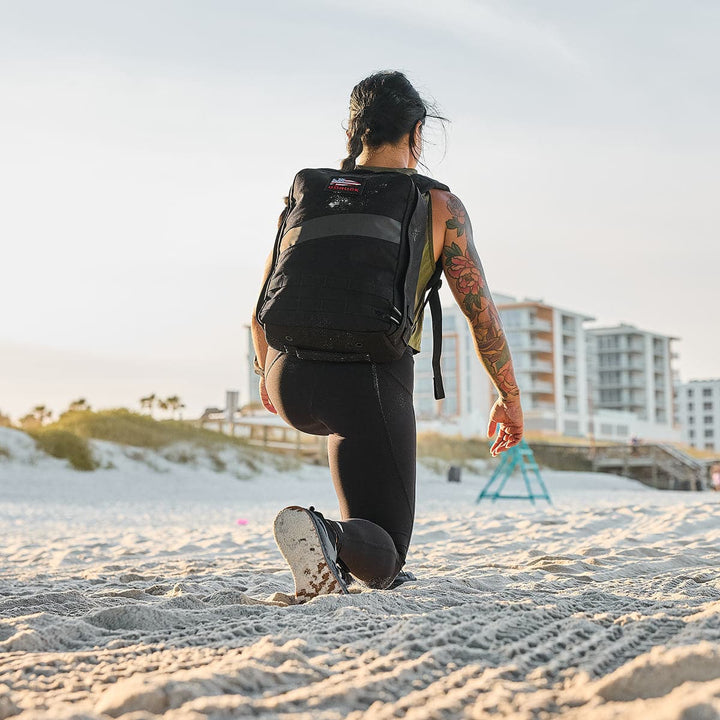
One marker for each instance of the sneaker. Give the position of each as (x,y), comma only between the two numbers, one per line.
(402,577)
(305,542)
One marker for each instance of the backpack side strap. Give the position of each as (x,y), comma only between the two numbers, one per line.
(433,299)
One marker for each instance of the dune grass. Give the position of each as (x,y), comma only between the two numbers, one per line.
(452,448)
(66,446)
(176,441)
(128,428)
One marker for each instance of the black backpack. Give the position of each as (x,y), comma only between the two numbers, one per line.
(345,268)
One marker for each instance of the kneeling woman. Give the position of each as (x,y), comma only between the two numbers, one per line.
(366,408)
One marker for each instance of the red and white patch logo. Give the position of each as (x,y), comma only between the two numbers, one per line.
(341,184)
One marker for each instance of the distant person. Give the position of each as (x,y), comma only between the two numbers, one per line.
(715,478)
(365,406)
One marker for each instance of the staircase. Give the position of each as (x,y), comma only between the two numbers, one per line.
(660,466)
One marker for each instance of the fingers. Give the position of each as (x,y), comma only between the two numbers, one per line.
(265,398)
(492,427)
(269,406)
(505,440)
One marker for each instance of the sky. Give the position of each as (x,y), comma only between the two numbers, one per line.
(145,148)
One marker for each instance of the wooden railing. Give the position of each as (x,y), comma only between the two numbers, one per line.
(279,438)
(661,466)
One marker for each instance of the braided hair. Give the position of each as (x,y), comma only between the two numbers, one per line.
(383,108)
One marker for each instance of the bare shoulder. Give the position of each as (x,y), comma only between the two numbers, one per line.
(446,204)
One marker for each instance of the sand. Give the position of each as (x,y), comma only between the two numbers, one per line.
(153,588)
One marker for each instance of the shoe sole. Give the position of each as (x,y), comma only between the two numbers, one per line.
(299,541)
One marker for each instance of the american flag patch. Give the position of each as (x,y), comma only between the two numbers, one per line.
(342,184)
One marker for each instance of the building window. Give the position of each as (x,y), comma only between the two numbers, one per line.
(691,434)
(691,420)
(709,433)
(707,392)
(709,446)
(708,419)
(707,406)
(691,407)
(690,392)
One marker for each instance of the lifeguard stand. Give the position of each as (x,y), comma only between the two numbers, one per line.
(519,456)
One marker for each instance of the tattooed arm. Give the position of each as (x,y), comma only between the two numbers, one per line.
(464,273)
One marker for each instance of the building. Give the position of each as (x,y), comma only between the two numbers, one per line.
(468,394)
(549,356)
(630,371)
(698,409)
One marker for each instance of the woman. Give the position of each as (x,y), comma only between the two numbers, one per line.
(366,408)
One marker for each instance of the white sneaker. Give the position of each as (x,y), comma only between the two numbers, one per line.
(304,541)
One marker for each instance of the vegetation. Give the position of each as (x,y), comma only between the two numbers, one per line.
(173,404)
(455,449)
(80,405)
(36,418)
(65,445)
(5,420)
(128,428)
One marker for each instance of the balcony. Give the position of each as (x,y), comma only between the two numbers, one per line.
(541,366)
(524,323)
(532,346)
(530,404)
(604,364)
(538,386)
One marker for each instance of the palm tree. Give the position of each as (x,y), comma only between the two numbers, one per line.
(80,405)
(175,404)
(162,404)
(148,403)
(41,413)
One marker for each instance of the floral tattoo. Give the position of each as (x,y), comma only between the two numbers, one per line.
(464,271)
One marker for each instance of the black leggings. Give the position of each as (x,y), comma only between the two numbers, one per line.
(367,411)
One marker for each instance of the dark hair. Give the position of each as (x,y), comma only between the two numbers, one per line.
(383,108)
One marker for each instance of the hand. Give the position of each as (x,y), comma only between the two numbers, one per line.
(508,416)
(265,399)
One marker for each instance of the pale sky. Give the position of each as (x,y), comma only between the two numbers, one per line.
(145,147)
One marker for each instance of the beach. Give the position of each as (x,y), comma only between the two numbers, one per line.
(153,588)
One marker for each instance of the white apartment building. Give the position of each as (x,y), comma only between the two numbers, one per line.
(549,356)
(698,409)
(468,396)
(631,374)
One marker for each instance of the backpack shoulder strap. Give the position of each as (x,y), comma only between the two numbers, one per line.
(424,184)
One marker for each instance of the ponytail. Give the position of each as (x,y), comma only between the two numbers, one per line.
(354,148)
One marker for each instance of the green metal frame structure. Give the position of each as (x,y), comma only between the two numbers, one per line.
(519,456)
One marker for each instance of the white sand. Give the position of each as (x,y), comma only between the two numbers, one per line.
(133,592)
